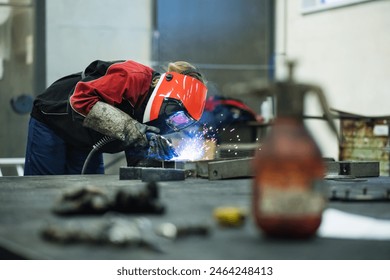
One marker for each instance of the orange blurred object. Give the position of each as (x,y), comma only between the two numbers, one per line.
(287,198)
(288,187)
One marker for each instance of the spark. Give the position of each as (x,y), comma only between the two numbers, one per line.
(193,147)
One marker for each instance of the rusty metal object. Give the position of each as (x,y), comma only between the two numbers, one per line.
(365,139)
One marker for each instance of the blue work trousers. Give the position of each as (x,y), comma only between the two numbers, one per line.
(48,154)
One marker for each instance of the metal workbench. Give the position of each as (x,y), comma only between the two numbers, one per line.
(26,206)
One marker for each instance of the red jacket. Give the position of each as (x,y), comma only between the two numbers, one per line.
(127,80)
(63,106)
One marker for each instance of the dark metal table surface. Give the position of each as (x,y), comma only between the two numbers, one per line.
(26,206)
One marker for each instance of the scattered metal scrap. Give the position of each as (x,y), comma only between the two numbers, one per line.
(92,200)
(110,231)
(120,231)
(86,200)
(175,231)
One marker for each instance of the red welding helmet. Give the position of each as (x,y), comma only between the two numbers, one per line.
(176,102)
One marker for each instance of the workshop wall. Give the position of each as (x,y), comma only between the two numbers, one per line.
(86,30)
(230,46)
(345,50)
(16,76)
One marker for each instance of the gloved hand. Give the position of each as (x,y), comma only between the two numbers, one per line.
(143,128)
(160,147)
(110,121)
(147,130)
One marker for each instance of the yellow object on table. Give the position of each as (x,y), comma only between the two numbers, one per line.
(230,216)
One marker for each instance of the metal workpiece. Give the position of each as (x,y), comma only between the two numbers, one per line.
(174,164)
(130,173)
(360,168)
(237,150)
(352,169)
(162,174)
(332,169)
(241,168)
(226,169)
(170,170)
(151,174)
(201,168)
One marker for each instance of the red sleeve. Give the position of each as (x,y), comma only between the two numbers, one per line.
(128,80)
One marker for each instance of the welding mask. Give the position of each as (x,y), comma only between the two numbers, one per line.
(176,102)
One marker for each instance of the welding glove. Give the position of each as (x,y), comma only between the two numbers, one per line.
(110,121)
(160,148)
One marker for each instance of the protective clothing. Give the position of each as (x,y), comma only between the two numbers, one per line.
(71,109)
(63,105)
(113,122)
(160,148)
(49,154)
(176,102)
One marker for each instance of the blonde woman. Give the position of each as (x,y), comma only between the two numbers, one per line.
(111,106)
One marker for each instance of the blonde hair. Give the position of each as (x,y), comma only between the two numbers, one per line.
(182,67)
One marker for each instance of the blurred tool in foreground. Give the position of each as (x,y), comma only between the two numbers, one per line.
(288,190)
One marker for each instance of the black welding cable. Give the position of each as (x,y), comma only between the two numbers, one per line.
(95,148)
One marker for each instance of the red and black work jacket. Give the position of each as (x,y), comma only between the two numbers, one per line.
(63,105)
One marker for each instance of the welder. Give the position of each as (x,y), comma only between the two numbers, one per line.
(115,106)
